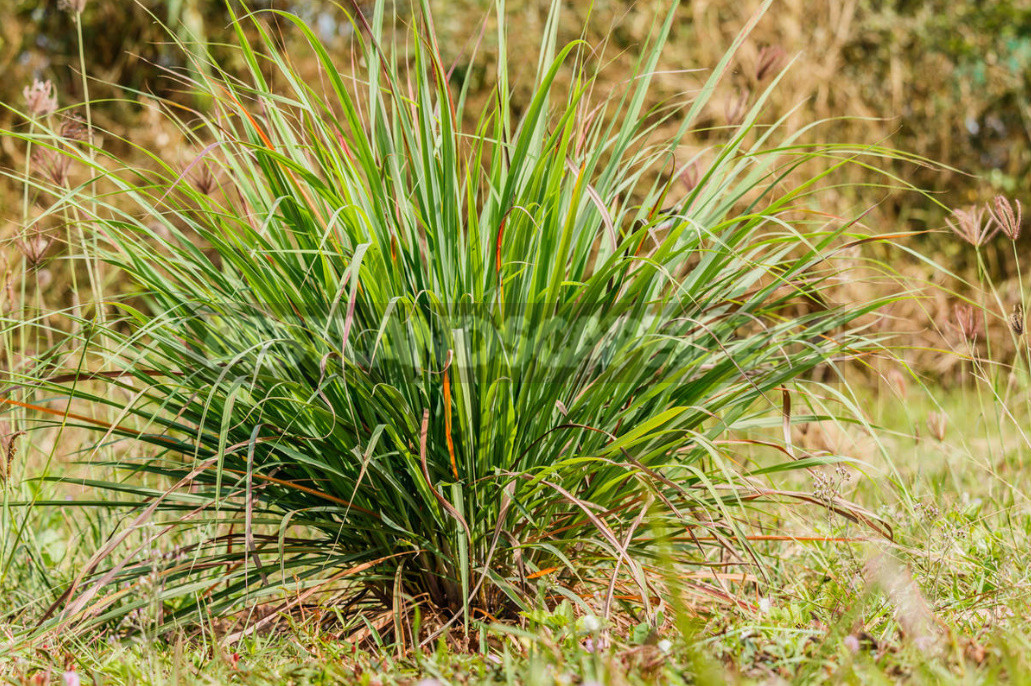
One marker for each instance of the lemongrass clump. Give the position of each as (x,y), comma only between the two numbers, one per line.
(415,363)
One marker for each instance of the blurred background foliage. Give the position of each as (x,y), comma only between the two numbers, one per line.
(949,79)
(945,79)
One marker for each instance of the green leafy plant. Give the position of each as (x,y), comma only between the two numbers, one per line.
(376,355)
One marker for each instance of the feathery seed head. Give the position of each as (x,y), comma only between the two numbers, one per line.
(73,6)
(40,98)
(53,164)
(898,381)
(35,246)
(8,448)
(1017,319)
(967,320)
(1005,217)
(970,225)
(689,176)
(769,61)
(204,181)
(75,129)
(937,422)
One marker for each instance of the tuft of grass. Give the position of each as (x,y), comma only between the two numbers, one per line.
(439,373)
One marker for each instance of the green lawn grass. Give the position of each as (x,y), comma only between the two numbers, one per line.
(946,602)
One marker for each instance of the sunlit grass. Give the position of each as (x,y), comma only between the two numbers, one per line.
(440,375)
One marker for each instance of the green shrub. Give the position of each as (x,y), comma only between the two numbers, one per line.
(372,352)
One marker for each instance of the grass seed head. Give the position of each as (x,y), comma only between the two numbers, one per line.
(73,6)
(40,99)
(970,225)
(825,488)
(1017,319)
(1005,217)
(689,176)
(35,246)
(53,165)
(967,320)
(8,448)
(204,181)
(75,129)
(769,61)
(937,423)
(897,380)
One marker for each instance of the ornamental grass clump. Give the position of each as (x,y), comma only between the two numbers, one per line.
(384,359)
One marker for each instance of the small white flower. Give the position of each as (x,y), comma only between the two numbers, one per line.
(764,606)
(665,645)
(591,623)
